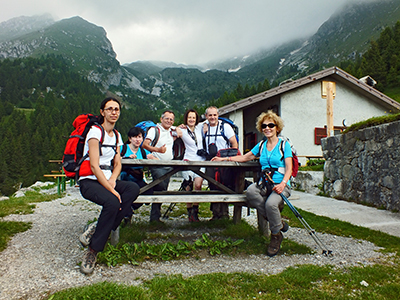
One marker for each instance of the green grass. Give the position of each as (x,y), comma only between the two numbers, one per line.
(373,122)
(20,205)
(9,229)
(23,205)
(299,282)
(143,241)
(313,165)
(326,225)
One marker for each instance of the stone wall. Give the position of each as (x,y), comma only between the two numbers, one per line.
(364,166)
(309,181)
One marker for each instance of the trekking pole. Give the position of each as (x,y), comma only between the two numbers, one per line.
(183,186)
(169,209)
(309,229)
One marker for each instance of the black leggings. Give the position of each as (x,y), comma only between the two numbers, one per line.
(111,215)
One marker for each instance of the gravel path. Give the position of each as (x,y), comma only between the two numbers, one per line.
(45,258)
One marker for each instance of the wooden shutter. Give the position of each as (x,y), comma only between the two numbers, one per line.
(319,133)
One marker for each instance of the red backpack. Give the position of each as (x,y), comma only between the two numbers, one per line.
(73,153)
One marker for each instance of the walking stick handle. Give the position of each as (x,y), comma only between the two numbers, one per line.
(269,177)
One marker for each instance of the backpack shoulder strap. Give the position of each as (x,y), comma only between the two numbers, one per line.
(156,136)
(102,131)
(124,149)
(101,137)
(116,139)
(204,136)
(282,148)
(223,132)
(261,146)
(143,152)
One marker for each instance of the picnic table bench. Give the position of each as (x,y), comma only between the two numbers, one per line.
(236,197)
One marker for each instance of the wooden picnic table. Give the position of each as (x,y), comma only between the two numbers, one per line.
(225,194)
(180,165)
(60,177)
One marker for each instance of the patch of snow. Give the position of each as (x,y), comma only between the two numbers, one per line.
(234,70)
(301,47)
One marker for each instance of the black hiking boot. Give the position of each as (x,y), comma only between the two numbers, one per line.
(195,213)
(285,226)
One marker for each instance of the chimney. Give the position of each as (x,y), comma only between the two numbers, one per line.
(368,80)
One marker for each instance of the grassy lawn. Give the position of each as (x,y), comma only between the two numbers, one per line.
(20,205)
(303,282)
(299,282)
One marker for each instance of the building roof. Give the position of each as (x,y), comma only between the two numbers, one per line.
(334,73)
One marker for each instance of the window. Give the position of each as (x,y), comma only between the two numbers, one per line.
(321,132)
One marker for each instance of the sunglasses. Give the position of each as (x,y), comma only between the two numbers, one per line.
(270,125)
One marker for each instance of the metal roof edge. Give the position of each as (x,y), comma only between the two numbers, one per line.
(306,80)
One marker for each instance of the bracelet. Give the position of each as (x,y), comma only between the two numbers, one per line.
(229,158)
(284,181)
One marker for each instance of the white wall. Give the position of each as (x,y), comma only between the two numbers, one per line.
(237,118)
(304,109)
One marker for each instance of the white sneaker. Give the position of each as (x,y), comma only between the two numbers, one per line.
(86,236)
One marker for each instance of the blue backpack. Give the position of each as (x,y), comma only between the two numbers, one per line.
(146,125)
(178,146)
(234,127)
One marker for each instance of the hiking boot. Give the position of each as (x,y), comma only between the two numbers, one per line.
(89,261)
(285,226)
(193,214)
(127,220)
(215,218)
(274,244)
(86,236)
(190,214)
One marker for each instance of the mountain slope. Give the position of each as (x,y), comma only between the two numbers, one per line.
(20,26)
(168,85)
(346,34)
(83,44)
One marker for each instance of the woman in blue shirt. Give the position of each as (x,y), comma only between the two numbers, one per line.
(132,149)
(268,201)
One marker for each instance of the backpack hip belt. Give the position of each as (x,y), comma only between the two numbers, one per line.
(105,167)
(282,170)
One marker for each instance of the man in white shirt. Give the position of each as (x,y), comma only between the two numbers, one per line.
(163,151)
(218,136)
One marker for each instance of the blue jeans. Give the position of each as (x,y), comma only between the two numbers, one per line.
(156,173)
(112,212)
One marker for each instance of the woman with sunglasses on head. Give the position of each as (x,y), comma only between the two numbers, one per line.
(98,182)
(193,139)
(267,201)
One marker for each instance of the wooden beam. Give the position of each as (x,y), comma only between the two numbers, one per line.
(231,198)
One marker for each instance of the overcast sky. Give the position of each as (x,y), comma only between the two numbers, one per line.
(187,31)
